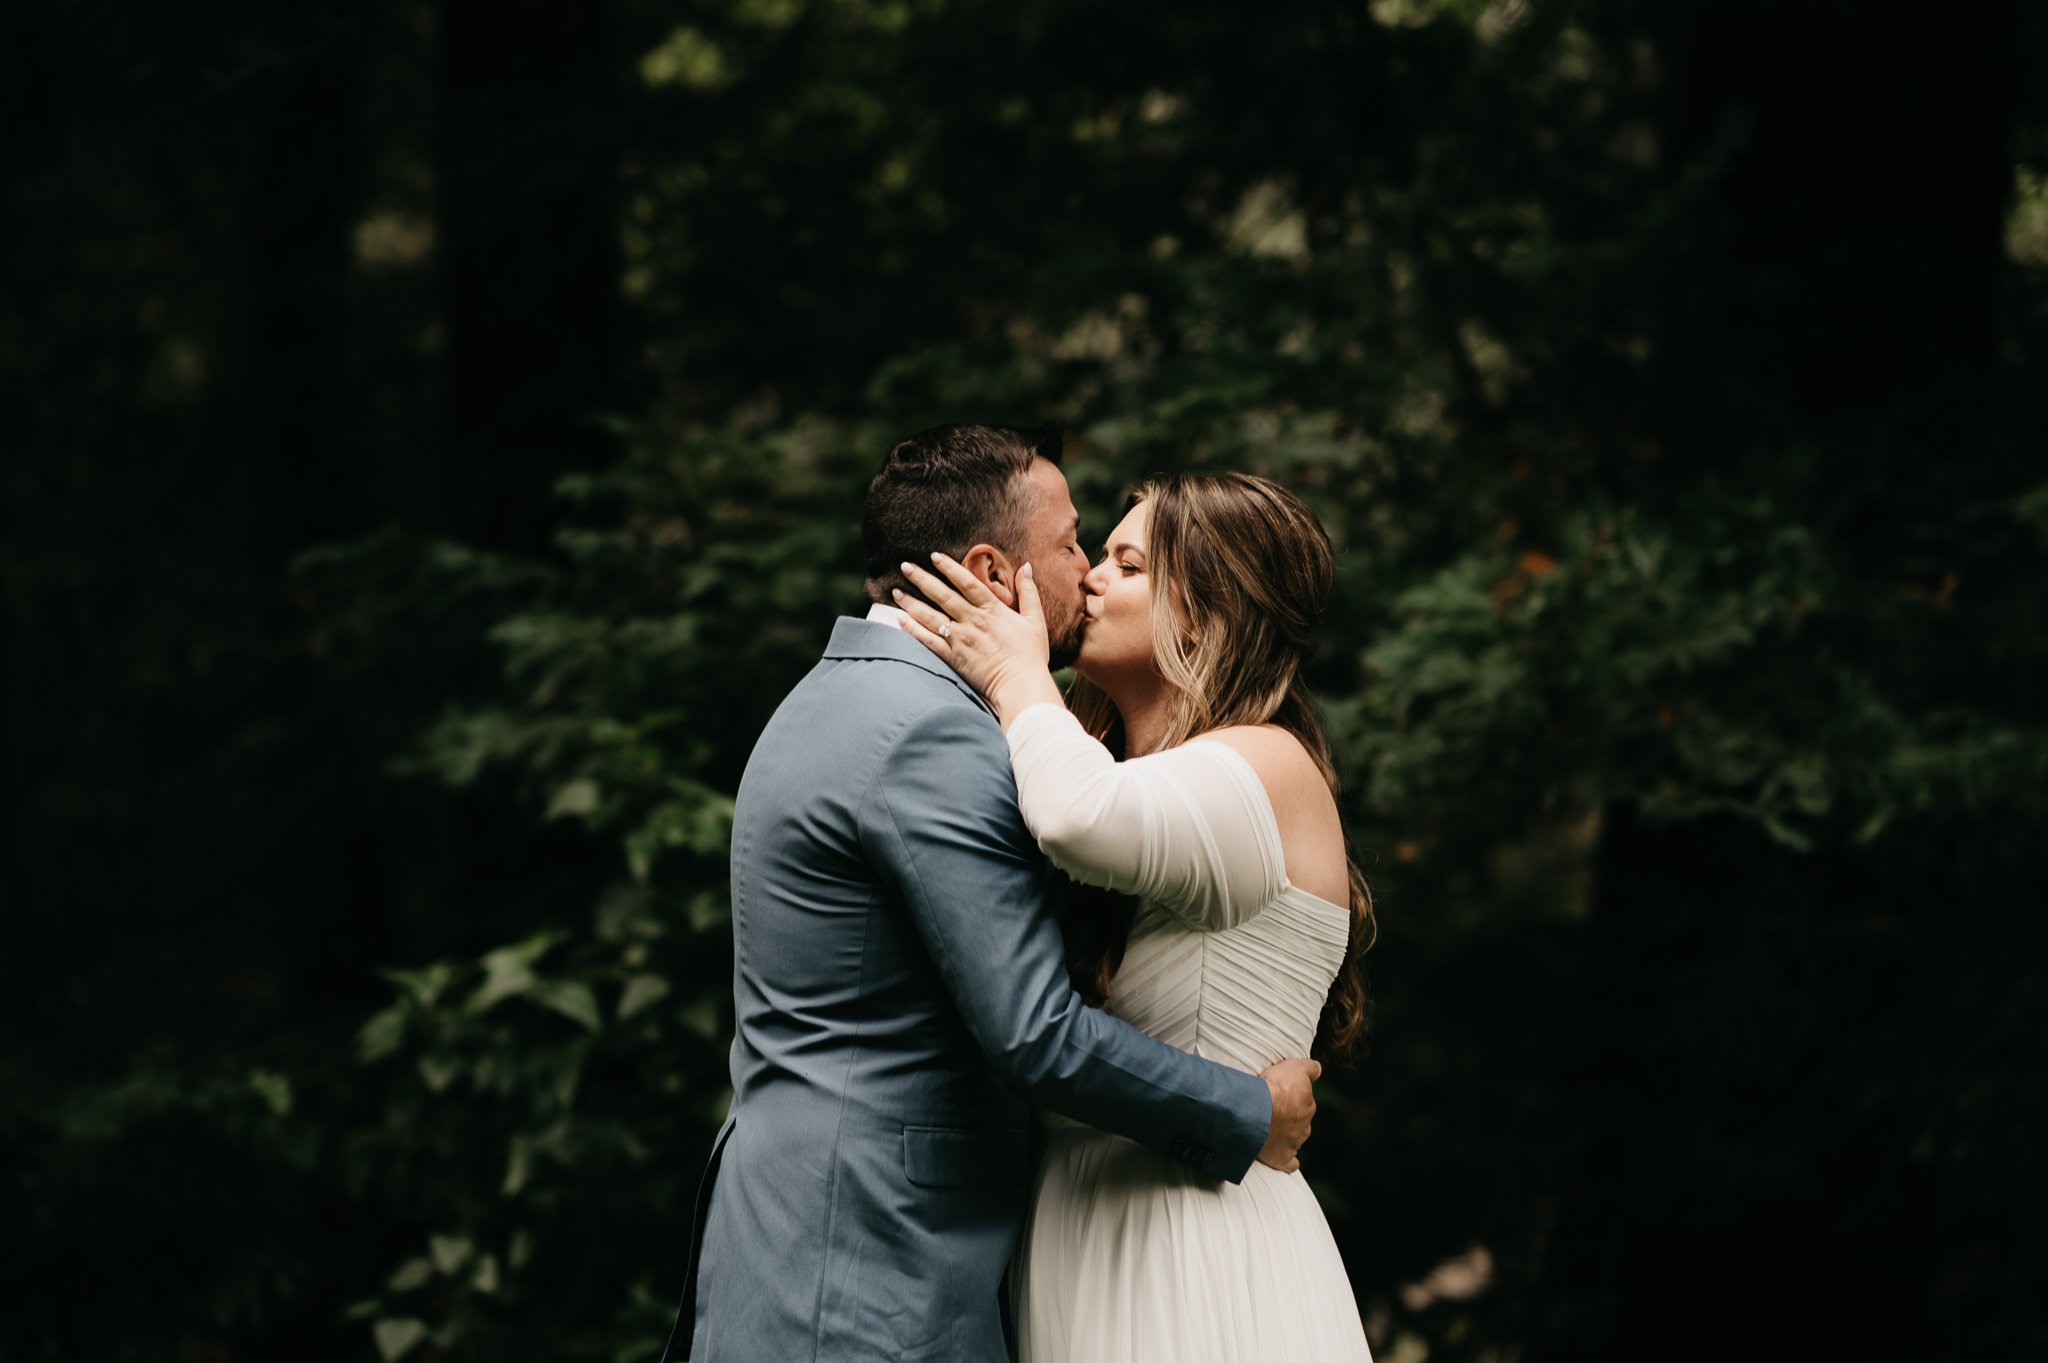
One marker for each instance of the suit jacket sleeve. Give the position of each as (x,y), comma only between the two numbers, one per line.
(940,823)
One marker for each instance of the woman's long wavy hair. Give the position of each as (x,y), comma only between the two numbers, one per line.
(1240,574)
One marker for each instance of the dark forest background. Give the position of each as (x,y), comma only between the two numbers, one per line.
(433,435)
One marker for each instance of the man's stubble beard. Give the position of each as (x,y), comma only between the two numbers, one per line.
(1063,648)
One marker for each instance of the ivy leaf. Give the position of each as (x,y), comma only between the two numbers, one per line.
(398,1336)
(575,799)
(381,1035)
(571,998)
(411,1275)
(509,971)
(518,1166)
(485,1279)
(640,992)
(438,1072)
(450,1252)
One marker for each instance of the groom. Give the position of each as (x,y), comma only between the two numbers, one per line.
(899,980)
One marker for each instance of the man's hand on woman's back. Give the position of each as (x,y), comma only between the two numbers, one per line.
(1294,1106)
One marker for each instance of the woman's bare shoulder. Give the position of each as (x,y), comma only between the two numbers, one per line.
(1275,754)
(1304,808)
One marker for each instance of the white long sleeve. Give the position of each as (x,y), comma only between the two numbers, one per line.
(1190,829)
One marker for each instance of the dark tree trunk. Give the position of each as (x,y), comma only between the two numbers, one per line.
(304,195)
(1755,1090)
(1746,1091)
(529,255)
(1858,260)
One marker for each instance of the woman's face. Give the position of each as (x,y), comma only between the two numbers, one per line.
(1118,638)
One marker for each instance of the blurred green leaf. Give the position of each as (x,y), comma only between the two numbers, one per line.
(571,998)
(450,1252)
(412,1275)
(639,993)
(508,971)
(398,1337)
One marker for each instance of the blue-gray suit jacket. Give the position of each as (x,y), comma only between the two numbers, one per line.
(902,1002)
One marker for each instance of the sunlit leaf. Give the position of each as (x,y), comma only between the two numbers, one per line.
(412,1275)
(571,998)
(397,1337)
(449,1252)
(383,1034)
(574,798)
(641,991)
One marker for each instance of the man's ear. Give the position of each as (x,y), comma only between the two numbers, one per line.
(993,566)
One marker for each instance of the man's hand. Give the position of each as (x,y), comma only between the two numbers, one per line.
(1294,1107)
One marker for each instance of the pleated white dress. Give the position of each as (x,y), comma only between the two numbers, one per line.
(1128,1257)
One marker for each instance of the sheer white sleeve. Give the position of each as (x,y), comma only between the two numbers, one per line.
(1190,829)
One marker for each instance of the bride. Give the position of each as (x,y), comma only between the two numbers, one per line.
(1249,917)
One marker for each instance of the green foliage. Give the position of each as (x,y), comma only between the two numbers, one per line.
(572,1066)
(1681,672)
(1648,664)
(589,1057)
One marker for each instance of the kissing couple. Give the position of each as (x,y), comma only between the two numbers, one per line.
(1027,984)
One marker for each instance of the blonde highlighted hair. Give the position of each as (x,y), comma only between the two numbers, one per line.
(1241,572)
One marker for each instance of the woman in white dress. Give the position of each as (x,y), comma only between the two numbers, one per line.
(1221,823)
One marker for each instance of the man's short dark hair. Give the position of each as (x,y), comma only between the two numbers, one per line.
(946,490)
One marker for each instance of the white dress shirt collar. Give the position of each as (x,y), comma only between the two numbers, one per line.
(887,615)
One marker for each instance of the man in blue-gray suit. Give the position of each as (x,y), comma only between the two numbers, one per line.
(899,979)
